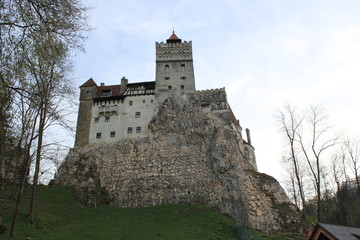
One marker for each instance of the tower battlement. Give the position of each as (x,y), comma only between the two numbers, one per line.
(174,51)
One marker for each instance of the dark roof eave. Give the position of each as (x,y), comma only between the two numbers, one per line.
(141,83)
(98,99)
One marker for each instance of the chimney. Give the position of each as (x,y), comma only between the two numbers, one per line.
(102,84)
(124,82)
(248,136)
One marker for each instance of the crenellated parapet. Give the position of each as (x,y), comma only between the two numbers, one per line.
(174,51)
(216,98)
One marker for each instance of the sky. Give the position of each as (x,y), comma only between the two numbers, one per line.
(266,53)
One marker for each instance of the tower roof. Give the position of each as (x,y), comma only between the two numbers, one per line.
(89,83)
(173,38)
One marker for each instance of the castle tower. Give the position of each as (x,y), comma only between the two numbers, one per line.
(174,68)
(87,93)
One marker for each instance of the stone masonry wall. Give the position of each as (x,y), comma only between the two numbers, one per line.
(83,123)
(189,158)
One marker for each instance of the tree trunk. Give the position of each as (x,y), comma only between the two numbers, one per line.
(37,164)
(318,186)
(2,165)
(17,156)
(20,194)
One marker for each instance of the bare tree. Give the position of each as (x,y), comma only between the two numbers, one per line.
(319,140)
(352,150)
(340,175)
(48,68)
(289,123)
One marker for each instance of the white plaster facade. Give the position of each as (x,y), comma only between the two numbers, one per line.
(118,119)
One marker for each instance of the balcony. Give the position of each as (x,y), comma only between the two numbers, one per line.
(107,110)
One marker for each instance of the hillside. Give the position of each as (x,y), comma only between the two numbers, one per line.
(60,216)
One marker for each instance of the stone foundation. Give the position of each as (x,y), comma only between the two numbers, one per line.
(189,158)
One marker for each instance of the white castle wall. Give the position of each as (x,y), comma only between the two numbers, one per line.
(122,116)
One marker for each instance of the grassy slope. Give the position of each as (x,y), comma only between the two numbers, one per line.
(60,216)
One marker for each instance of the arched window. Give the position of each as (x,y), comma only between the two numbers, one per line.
(167,69)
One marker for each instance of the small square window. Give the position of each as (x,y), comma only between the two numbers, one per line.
(137,114)
(183,78)
(98,135)
(138,129)
(130,103)
(129,130)
(182,87)
(96,120)
(144,101)
(167,78)
(152,101)
(107,118)
(112,134)
(106,93)
(169,87)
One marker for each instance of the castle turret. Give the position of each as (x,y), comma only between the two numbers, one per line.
(174,68)
(87,93)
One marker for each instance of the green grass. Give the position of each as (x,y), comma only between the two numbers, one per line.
(59,216)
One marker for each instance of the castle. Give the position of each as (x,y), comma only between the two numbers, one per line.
(162,142)
(111,113)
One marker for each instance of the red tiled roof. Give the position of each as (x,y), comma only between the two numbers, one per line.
(89,83)
(115,91)
(173,36)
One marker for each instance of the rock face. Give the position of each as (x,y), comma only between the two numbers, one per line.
(189,158)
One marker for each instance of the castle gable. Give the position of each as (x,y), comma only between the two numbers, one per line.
(89,83)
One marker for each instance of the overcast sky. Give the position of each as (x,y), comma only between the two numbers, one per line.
(264,52)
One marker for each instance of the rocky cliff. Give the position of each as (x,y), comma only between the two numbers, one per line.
(190,157)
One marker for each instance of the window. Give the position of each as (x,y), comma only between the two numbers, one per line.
(107,118)
(182,87)
(130,103)
(144,101)
(137,114)
(96,120)
(183,78)
(167,69)
(182,67)
(152,101)
(167,78)
(169,87)
(129,130)
(112,134)
(138,129)
(106,93)
(98,135)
